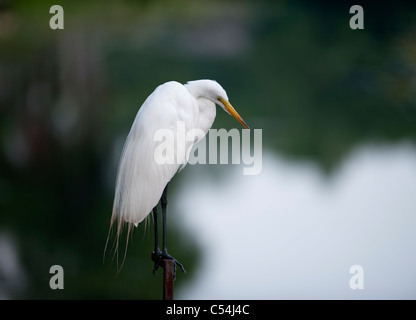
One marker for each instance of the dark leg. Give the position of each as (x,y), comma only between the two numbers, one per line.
(164,203)
(164,254)
(156,254)
(157,249)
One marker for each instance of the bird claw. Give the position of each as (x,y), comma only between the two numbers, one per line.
(159,256)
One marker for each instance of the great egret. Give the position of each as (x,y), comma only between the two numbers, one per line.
(141,180)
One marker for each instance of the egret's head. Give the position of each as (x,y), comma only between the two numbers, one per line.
(212,90)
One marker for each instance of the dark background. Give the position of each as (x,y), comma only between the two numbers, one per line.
(68,98)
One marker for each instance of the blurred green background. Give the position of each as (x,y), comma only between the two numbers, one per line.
(68,98)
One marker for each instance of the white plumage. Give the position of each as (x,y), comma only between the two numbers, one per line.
(140,179)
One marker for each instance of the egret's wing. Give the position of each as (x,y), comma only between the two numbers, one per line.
(142,173)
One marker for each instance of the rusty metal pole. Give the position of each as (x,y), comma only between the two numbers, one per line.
(169,267)
(168,278)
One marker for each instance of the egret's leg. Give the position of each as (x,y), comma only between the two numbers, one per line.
(164,203)
(157,249)
(156,255)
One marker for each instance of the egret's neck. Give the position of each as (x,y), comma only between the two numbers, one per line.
(194,89)
(207,112)
(207,108)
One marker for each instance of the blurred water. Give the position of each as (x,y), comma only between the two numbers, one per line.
(293,233)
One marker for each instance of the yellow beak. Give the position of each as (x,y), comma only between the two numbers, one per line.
(229,108)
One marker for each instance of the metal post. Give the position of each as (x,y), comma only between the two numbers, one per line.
(169,267)
(168,278)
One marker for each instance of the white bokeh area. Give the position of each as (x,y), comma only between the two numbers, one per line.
(293,232)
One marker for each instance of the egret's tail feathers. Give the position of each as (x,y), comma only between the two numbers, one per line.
(115,231)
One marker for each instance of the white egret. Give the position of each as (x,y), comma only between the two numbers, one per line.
(141,180)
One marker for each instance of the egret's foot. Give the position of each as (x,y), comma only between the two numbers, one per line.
(159,256)
(157,259)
